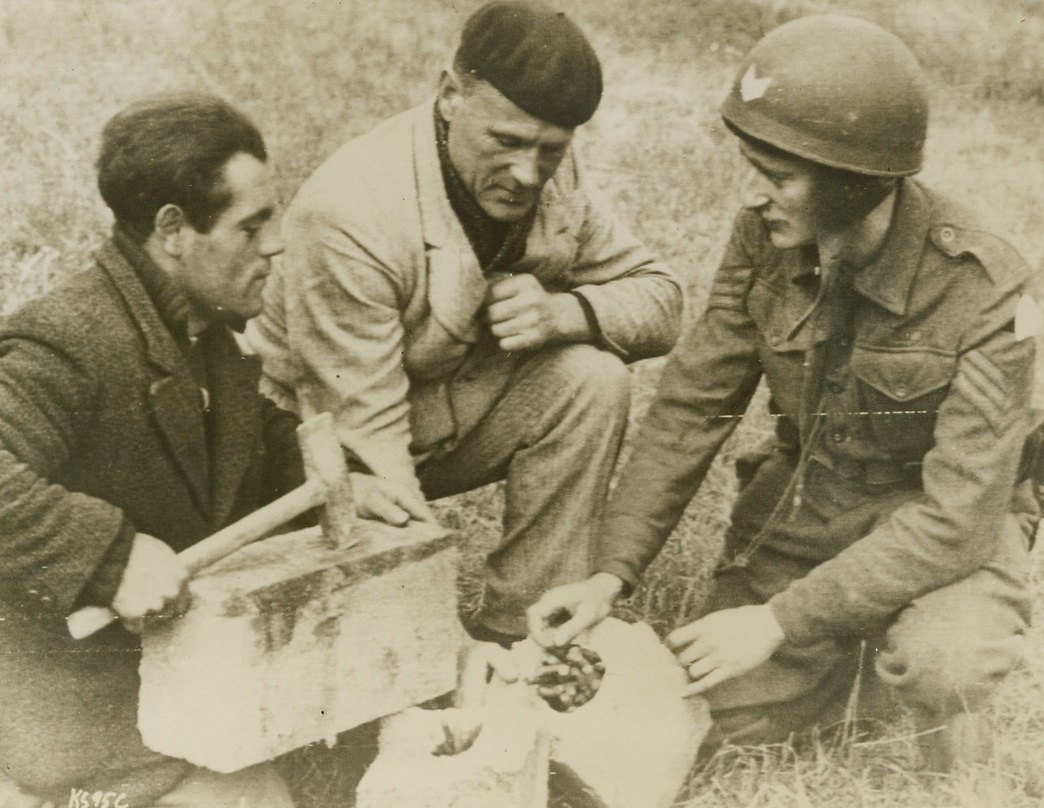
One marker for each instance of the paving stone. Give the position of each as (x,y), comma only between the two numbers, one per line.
(506,767)
(288,642)
(635,742)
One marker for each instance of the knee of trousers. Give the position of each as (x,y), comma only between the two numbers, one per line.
(596,380)
(946,667)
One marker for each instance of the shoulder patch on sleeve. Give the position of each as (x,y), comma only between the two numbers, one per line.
(1028,319)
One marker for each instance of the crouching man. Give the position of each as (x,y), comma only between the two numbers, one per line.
(896,339)
(463,302)
(131,428)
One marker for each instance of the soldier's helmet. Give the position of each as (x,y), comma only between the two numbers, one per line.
(836,90)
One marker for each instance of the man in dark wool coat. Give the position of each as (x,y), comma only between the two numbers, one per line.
(131,428)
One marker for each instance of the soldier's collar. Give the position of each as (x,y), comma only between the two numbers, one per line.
(888,278)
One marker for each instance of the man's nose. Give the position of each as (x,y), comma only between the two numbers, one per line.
(755,191)
(525,168)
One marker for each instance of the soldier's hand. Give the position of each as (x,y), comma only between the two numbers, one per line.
(153,583)
(389,501)
(524,316)
(725,644)
(565,611)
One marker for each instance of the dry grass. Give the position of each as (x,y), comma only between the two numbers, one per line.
(315,73)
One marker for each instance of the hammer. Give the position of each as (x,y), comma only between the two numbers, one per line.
(326,483)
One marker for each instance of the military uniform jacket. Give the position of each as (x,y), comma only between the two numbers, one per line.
(919,408)
(101,436)
(375,314)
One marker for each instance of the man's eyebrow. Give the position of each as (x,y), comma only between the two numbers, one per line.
(499,133)
(755,160)
(767,169)
(258,217)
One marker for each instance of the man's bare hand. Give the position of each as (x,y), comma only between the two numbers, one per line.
(725,644)
(524,316)
(565,611)
(389,501)
(153,583)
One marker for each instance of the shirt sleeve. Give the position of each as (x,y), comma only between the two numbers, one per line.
(706,387)
(954,527)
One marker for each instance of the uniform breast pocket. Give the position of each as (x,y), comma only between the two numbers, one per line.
(900,391)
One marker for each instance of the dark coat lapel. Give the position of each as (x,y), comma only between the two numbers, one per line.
(173,395)
(235,417)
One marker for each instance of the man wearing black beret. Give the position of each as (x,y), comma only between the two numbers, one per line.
(460,299)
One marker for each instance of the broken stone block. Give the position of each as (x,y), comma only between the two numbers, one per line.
(288,641)
(634,743)
(506,766)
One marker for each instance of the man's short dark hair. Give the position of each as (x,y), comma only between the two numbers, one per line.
(172,149)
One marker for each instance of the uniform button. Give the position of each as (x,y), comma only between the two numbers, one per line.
(947,234)
(774,339)
(46,599)
(836,388)
(901,392)
(839,435)
(33,592)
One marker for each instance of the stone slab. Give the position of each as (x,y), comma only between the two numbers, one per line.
(635,742)
(506,767)
(289,641)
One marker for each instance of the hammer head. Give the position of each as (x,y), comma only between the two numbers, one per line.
(325,466)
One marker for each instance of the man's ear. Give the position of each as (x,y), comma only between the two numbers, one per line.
(169,227)
(450,95)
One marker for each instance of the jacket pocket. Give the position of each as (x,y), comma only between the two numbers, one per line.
(901,390)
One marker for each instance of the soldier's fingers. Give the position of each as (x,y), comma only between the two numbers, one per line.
(701,668)
(519,342)
(684,635)
(697,649)
(705,683)
(571,628)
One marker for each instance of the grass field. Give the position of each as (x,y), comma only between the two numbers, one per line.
(316,73)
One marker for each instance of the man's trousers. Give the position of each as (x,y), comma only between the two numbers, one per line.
(553,436)
(941,655)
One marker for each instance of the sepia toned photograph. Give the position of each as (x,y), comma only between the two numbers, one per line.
(521,404)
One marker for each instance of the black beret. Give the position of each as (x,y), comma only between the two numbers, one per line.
(536,57)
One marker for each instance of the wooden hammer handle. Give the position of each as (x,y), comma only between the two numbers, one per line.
(252,526)
(90,619)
